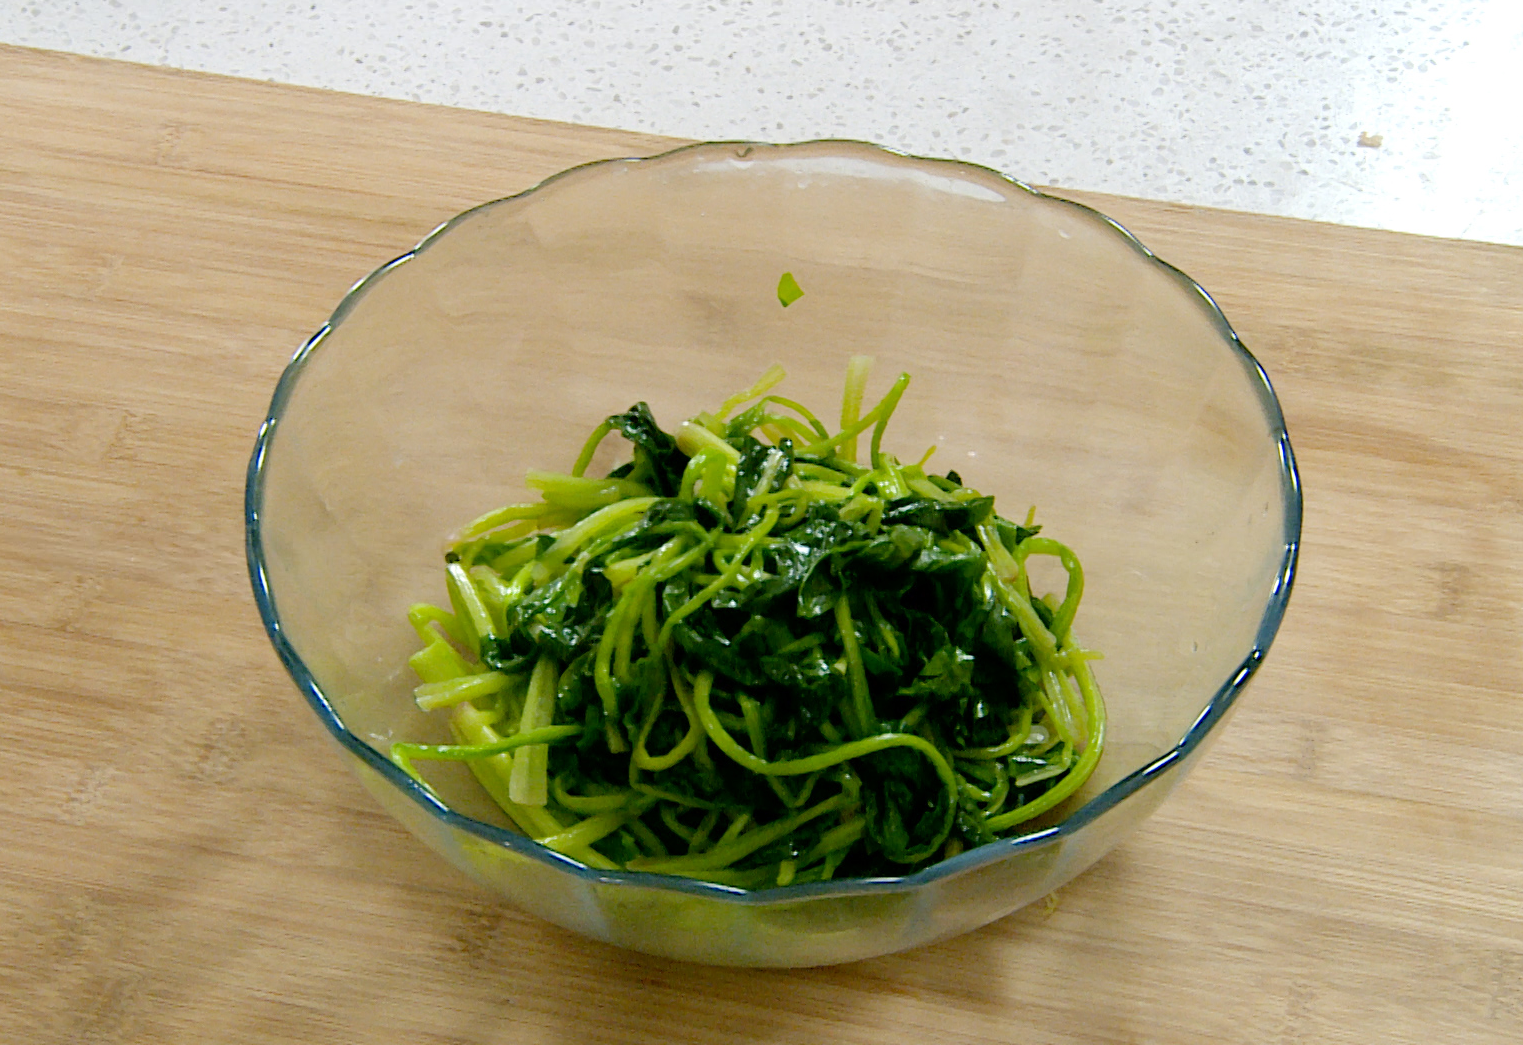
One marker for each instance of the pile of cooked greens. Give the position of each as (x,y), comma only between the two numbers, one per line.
(747,657)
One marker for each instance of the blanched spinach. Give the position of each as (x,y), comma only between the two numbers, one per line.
(778,667)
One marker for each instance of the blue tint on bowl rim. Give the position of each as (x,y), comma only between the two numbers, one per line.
(1220,703)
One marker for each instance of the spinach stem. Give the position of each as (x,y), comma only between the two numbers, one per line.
(851,402)
(529,784)
(866,721)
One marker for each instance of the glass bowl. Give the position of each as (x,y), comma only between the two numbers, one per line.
(1055,362)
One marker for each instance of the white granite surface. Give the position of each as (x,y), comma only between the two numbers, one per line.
(1399,114)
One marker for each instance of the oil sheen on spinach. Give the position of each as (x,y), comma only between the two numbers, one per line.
(759,654)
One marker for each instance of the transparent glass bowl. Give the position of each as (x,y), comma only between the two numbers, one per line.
(1055,362)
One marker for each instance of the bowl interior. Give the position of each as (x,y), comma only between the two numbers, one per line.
(1054,364)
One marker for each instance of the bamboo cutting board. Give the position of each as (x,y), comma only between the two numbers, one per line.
(185,859)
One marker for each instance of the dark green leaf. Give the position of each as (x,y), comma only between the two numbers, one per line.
(1012,534)
(755,459)
(892,548)
(701,635)
(793,561)
(948,675)
(575,686)
(940,516)
(664,461)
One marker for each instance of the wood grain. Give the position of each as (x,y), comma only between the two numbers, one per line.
(186,860)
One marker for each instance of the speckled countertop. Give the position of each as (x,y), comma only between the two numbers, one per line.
(1398,114)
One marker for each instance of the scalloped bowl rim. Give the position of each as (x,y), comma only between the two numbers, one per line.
(1225,695)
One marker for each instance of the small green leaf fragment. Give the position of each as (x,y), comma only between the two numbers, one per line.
(788,289)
